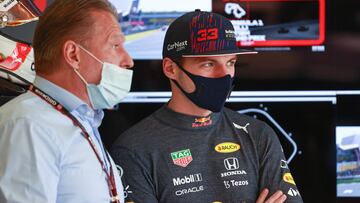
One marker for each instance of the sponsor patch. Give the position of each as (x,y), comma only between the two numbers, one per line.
(182,158)
(235,183)
(189,190)
(178,46)
(288,178)
(127,191)
(244,128)
(292,192)
(232,164)
(232,173)
(283,164)
(201,122)
(229,34)
(227,147)
(193,178)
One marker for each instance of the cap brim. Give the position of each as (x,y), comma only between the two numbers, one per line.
(23,33)
(224,53)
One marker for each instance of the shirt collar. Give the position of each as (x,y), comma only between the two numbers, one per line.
(71,102)
(188,122)
(93,116)
(65,98)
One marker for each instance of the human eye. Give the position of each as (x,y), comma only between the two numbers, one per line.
(231,63)
(116,43)
(208,65)
(115,46)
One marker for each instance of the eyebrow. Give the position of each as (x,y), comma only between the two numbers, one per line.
(117,36)
(201,59)
(233,58)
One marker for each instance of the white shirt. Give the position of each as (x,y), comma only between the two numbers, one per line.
(43,156)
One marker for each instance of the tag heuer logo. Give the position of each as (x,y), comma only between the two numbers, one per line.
(182,158)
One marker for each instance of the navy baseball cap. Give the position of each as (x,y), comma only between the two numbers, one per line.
(201,34)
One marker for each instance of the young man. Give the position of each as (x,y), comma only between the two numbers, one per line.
(193,149)
(50,147)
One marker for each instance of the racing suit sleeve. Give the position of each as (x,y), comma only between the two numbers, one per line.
(274,172)
(137,181)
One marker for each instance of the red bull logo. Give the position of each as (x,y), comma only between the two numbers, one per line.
(201,122)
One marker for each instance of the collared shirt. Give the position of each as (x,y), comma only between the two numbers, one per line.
(43,155)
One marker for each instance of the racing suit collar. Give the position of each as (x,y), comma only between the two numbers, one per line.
(188,122)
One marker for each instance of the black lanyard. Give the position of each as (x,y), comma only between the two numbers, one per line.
(109,175)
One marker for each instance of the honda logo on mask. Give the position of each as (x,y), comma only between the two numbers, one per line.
(231,163)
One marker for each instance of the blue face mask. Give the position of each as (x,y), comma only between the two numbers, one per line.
(114,85)
(210,93)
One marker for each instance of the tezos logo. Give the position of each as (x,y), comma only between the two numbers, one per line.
(227,147)
(235,183)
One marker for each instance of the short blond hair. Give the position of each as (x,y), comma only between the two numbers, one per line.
(63,20)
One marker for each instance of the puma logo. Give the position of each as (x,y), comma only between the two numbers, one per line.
(242,127)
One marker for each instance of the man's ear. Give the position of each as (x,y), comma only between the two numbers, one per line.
(71,53)
(170,68)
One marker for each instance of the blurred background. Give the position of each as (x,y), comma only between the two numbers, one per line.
(305,81)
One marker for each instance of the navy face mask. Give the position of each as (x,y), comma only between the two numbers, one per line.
(210,93)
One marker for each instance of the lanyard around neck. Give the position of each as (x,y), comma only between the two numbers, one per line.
(109,175)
